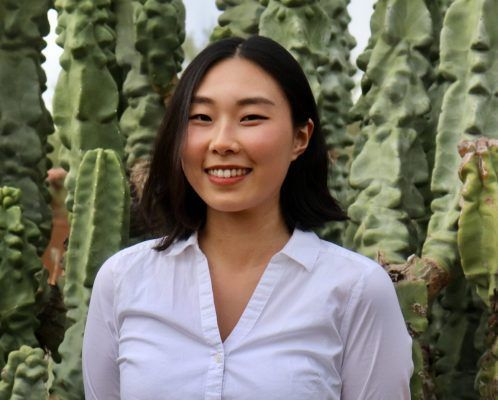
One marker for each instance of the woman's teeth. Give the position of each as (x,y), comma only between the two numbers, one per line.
(227,173)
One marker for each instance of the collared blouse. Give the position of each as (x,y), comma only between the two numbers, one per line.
(323,323)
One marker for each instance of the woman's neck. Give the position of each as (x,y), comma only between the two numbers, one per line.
(242,241)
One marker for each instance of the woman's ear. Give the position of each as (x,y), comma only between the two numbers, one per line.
(302,138)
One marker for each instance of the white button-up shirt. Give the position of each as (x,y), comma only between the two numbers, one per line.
(323,323)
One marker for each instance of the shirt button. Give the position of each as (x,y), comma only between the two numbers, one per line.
(217,358)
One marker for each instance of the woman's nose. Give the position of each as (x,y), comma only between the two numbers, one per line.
(224,139)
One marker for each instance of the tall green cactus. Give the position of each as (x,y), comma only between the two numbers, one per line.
(86,96)
(413,297)
(303,28)
(469,57)
(391,165)
(24,120)
(160,32)
(336,80)
(239,18)
(453,345)
(360,110)
(336,83)
(478,244)
(25,375)
(19,264)
(99,229)
(144,107)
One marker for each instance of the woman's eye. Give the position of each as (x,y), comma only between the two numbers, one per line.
(252,117)
(200,117)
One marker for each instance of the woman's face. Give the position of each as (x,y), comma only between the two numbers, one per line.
(240,138)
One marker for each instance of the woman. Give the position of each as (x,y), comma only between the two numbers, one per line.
(239,300)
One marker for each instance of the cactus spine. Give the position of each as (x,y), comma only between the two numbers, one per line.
(99,229)
(24,120)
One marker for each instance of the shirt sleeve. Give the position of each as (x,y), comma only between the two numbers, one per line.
(100,342)
(377,363)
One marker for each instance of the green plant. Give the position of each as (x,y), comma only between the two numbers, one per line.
(99,228)
(478,245)
(239,18)
(25,376)
(24,121)
(20,266)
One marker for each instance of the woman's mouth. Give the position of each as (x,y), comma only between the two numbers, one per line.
(227,172)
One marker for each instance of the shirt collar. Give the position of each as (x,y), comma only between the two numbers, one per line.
(302,247)
(180,246)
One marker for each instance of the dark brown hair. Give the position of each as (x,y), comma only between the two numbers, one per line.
(170,204)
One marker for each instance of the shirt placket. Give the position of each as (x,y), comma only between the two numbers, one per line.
(215,373)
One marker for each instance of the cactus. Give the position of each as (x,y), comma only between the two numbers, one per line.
(467,62)
(25,375)
(478,244)
(24,121)
(144,107)
(160,32)
(336,82)
(335,77)
(414,301)
(359,112)
(478,222)
(99,229)
(239,18)
(303,28)
(86,96)
(453,343)
(19,266)
(387,212)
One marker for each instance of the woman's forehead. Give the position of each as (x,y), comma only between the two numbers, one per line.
(242,81)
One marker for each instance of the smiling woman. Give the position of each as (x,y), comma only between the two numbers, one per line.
(240,121)
(238,299)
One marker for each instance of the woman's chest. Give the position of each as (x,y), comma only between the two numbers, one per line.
(285,345)
(159,362)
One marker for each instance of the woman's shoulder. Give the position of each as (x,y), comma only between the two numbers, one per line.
(346,268)
(334,255)
(133,259)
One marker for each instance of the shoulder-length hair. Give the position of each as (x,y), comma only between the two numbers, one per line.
(170,204)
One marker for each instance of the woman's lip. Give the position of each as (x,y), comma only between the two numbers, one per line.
(225,167)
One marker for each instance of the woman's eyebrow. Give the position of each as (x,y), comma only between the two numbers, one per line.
(242,102)
(254,100)
(202,100)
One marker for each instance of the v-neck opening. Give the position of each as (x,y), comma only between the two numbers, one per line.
(251,312)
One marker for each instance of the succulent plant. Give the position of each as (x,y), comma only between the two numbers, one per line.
(86,97)
(19,267)
(239,18)
(143,107)
(99,228)
(25,376)
(24,121)
(391,165)
(160,32)
(478,244)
